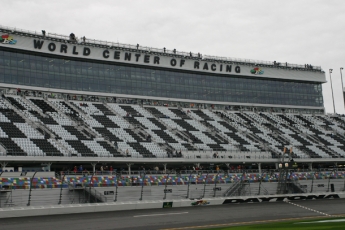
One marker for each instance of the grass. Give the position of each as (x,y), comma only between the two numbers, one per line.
(314,224)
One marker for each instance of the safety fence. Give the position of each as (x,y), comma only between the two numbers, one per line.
(75,189)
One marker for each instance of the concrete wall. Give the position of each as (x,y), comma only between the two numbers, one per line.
(157,204)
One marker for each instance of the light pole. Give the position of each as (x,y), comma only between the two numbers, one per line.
(342,86)
(330,76)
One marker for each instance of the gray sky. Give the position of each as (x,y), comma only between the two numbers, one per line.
(294,31)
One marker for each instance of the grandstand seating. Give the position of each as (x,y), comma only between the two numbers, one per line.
(35,126)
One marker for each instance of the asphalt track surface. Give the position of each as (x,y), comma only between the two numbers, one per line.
(197,217)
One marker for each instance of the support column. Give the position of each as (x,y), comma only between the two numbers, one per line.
(310,166)
(49,165)
(129,168)
(277,165)
(165,168)
(3,165)
(228,166)
(93,168)
(259,167)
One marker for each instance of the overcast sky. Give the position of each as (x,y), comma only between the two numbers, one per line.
(293,31)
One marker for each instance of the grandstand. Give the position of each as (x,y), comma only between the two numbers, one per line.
(67,102)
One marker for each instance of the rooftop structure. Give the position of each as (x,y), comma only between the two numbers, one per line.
(82,100)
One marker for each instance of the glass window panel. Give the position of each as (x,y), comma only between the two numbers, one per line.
(40,71)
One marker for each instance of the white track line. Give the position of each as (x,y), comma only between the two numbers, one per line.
(313,210)
(165,214)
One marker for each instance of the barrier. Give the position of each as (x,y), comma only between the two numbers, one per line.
(158,204)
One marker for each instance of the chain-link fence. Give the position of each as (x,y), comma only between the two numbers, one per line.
(75,189)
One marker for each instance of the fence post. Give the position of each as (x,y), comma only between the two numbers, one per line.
(203,195)
(260,184)
(142,187)
(29,200)
(190,175)
(329,181)
(117,184)
(215,185)
(166,180)
(90,187)
(312,183)
(63,178)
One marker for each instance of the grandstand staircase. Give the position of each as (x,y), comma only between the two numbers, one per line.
(36,125)
(85,194)
(35,107)
(247,118)
(296,187)
(321,145)
(181,135)
(314,138)
(220,136)
(239,188)
(94,196)
(74,107)
(166,147)
(42,129)
(140,132)
(86,130)
(282,182)
(6,198)
(3,149)
(77,193)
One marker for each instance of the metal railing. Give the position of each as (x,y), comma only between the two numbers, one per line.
(195,156)
(162,51)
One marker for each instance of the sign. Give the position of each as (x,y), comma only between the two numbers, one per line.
(167,204)
(279,198)
(217,189)
(7,39)
(167,190)
(134,56)
(114,53)
(320,185)
(257,70)
(108,193)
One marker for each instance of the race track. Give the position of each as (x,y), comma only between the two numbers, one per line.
(182,218)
